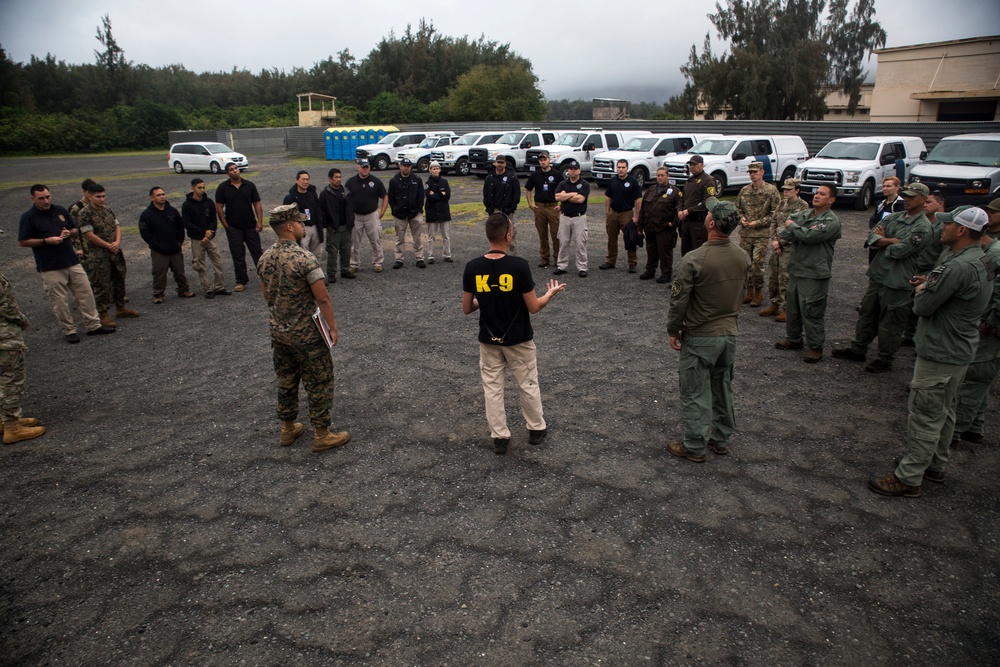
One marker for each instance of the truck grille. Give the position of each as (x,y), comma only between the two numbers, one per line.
(822,177)
(437,156)
(360,154)
(531,157)
(478,156)
(679,172)
(603,164)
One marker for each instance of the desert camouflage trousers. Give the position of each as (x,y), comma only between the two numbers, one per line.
(310,364)
(12,376)
(756,246)
(777,276)
(107,278)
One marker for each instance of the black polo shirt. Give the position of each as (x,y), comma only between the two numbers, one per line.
(580,187)
(543,184)
(36,224)
(238,203)
(623,192)
(366,194)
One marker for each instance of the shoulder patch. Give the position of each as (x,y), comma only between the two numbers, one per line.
(676,289)
(916,239)
(710,190)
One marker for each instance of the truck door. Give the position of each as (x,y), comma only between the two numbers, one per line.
(763,152)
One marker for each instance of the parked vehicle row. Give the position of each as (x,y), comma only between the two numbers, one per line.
(965,168)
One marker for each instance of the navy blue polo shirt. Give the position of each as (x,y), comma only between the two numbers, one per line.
(38,224)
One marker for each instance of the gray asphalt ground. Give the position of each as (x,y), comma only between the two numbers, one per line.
(158,522)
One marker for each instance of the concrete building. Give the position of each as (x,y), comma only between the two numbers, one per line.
(957,80)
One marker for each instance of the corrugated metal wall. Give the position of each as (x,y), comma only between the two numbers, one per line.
(309,141)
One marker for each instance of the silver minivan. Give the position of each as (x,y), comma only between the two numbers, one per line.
(204,156)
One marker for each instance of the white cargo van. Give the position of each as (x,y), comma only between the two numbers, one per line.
(727,158)
(964,167)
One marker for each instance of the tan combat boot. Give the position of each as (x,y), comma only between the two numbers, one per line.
(289,432)
(770,310)
(107,321)
(324,440)
(781,317)
(23,421)
(125,311)
(749,296)
(13,432)
(758,298)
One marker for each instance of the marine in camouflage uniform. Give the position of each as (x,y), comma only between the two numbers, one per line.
(885,305)
(79,242)
(781,251)
(288,273)
(758,205)
(950,303)
(12,371)
(104,260)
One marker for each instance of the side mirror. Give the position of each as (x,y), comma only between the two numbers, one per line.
(659,152)
(739,156)
(589,147)
(526,144)
(923,155)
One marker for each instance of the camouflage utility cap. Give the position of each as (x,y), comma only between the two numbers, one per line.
(755,166)
(791,183)
(286,213)
(727,218)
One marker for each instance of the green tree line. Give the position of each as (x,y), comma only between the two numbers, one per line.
(47,104)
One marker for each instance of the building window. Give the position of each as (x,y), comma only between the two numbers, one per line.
(967,110)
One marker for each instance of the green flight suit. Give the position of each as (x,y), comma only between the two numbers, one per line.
(949,306)
(810,267)
(974,394)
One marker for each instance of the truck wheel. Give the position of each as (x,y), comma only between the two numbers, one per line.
(511,166)
(423,164)
(720,182)
(563,167)
(789,173)
(864,198)
(462,167)
(640,175)
(381,163)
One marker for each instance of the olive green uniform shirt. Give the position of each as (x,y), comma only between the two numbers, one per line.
(896,264)
(813,237)
(989,347)
(707,290)
(950,305)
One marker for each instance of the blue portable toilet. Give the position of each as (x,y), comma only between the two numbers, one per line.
(340,143)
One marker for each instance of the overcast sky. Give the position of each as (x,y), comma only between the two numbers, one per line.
(581,49)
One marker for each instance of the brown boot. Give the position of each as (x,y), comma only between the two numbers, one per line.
(324,440)
(770,310)
(758,298)
(13,432)
(814,355)
(125,311)
(749,296)
(23,421)
(780,317)
(107,321)
(290,431)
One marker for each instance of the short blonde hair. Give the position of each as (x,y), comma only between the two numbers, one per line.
(895,181)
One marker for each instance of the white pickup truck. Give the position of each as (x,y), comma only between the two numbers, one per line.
(512,146)
(456,157)
(727,158)
(581,146)
(420,155)
(644,155)
(857,165)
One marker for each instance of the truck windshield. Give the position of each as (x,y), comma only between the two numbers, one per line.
(713,147)
(640,144)
(467,140)
(846,150)
(429,142)
(511,138)
(971,152)
(571,139)
(388,139)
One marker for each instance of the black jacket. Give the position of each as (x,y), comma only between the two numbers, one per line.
(307,201)
(199,216)
(163,231)
(330,205)
(438,209)
(406,196)
(501,193)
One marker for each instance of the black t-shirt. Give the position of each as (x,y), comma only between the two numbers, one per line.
(500,285)
(623,192)
(543,185)
(36,224)
(581,187)
(366,195)
(238,203)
